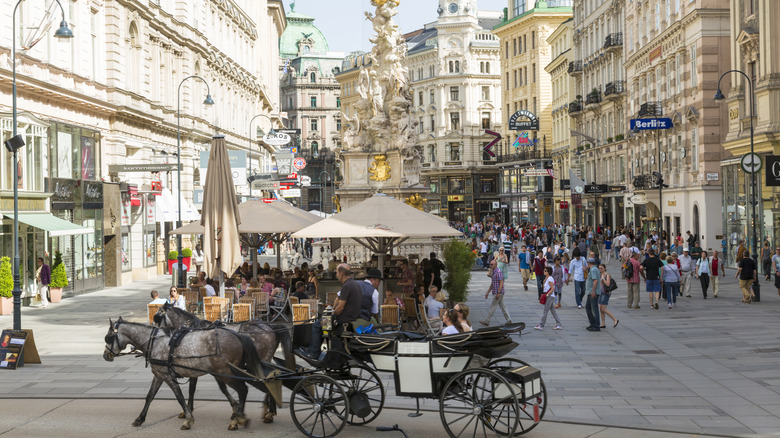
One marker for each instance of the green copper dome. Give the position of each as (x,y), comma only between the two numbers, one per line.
(301,27)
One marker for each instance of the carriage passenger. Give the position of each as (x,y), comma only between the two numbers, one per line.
(463,316)
(451,324)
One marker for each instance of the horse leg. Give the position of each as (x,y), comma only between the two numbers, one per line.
(231,400)
(193,385)
(269,409)
(239,417)
(156,383)
(188,419)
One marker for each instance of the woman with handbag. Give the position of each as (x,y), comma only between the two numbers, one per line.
(607,286)
(671,281)
(547,299)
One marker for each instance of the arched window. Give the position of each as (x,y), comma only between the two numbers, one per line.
(457,66)
(133,80)
(487,67)
(482,67)
(313,77)
(452,68)
(315,148)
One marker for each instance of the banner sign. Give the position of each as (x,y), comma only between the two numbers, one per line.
(772,172)
(11,345)
(650,124)
(532,123)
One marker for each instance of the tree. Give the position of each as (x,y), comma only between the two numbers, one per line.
(59,278)
(6,278)
(458,260)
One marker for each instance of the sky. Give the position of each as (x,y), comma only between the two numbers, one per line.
(344,24)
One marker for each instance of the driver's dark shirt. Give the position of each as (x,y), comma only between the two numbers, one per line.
(351,293)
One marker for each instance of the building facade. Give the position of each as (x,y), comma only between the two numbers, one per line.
(455,83)
(526,188)
(111,96)
(563,92)
(675,52)
(598,109)
(311,97)
(753,52)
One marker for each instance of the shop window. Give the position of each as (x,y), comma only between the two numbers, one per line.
(150,251)
(456,186)
(485,120)
(127,264)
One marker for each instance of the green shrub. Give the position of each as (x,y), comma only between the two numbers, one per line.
(458,260)
(173,255)
(57,260)
(186,252)
(59,278)
(6,278)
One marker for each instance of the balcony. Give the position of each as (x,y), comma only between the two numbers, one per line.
(650,109)
(614,41)
(613,90)
(523,155)
(593,98)
(575,67)
(575,107)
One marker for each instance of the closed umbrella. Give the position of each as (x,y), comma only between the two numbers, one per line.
(220,219)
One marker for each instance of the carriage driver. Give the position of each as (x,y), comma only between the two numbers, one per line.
(345,311)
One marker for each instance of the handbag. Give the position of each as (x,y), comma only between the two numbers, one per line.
(612,286)
(543,299)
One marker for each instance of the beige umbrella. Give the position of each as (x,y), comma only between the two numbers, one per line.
(190,228)
(220,218)
(380,223)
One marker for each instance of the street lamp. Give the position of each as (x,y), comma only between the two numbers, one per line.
(719,97)
(208,101)
(579,162)
(13,145)
(250,146)
(660,183)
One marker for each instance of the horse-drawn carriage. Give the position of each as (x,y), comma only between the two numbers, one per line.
(480,392)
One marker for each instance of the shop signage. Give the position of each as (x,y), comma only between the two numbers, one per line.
(150,216)
(455,198)
(63,194)
(564,205)
(650,124)
(452,163)
(596,188)
(289,131)
(654,54)
(565,184)
(548,202)
(291,193)
(496,205)
(117,168)
(614,189)
(125,220)
(772,171)
(714,176)
(197,197)
(671,203)
(93,195)
(536,172)
(639,199)
(276,139)
(750,163)
(238,165)
(11,346)
(531,124)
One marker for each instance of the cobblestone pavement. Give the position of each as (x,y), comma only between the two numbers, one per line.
(705,367)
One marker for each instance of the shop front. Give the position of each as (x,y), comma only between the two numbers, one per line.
(464,197)
(737,213)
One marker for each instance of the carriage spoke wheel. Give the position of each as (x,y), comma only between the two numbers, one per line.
(319,406)
(528,406)
(479,402)
(365,391)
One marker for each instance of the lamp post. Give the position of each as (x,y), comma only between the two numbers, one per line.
(719,97)
(322,187)
(208,101)
(250,144)
(579,161)
(660,183)
(13,145)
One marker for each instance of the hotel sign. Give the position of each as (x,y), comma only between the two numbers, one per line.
(655,54)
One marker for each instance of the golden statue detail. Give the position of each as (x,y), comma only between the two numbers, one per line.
(380,169)
(416,201)
(336,200)
(382,2)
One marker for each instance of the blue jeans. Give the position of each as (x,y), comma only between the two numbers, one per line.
(540,285)
(672,289)
(592,308)
(315,347)
(579,291)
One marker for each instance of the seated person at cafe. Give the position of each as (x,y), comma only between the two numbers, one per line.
(156,298)
(391,299)
(210,292)
(418,295)
(300,292)
(346,310)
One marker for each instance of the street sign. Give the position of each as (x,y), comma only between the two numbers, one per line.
(492,143)
(289,131)
(292,193)
(305,181)
(565,184)
(116,168)
(649,124)
(750,163)
(299,163)
(288,150)
(277,139)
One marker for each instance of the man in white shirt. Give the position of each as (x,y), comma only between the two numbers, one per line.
(210,292)
(156,298)
(686,266)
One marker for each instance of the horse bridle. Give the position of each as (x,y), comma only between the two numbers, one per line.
(113,338)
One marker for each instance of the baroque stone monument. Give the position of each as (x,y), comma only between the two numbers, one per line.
(380,151)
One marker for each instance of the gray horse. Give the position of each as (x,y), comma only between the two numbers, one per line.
(227,355)
(266,337)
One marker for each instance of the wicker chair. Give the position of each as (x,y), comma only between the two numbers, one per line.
(242,312)
(153,308)
(261,304)
(294,300)
(192,298)
(314,307)
(248,300)
(212,311)
(331,298)
(300,313)
(390,315)
(410,318)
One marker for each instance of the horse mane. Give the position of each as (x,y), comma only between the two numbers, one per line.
(192,320)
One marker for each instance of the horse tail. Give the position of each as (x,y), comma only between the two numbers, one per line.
(284,337)
(251,360)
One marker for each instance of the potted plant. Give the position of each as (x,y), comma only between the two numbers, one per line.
(619,137)
(59,279)
(609,139)
(458,260)
(186,257)
(6,286)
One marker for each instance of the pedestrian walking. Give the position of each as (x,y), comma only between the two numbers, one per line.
(766,260)
(671,278)
(559,276)
(606,291)
(578,269)
(539,264)
(703,270)
(747,274)
(651,273)
(607,248)
(549,300)
(42,280)
(593,291)
(718,269)
(631,270)
(687,266)
(497,288)
(776,268)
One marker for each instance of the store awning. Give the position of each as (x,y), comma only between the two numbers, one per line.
(55,226)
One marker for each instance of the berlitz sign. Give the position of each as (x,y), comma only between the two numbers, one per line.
(646,124)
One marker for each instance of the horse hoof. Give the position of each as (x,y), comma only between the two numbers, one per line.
(182,415)
(185,427)
(233,425)
(268,419)
(243,421)
(138,423)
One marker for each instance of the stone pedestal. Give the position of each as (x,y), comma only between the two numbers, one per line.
(366,173)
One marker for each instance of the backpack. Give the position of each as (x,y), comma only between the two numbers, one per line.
(627,269)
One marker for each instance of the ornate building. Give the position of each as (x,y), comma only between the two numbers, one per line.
(111,96)
(311,97)
(526,187)
(753,50)
(563,92)
(675,52)
(598,109)
(455,82)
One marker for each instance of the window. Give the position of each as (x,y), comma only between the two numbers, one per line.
(338,124)
(421,125)
(314,124)
(430,71)
(525,41)
(454,94)
(314,101)
(486,120)
(694,69)
(487,67)
(678,69)
(457,66)
(506,45)
(313,78)
(533,67)
(694,150)
(290,102)
(338,102)
(433,123)
(657,16)
(432,152)
(433,97)
(482,67)
(485,92)
(518,7)
(533,39)
(454,121)
(454,151)
(452,67)
(515,73)
(456,185)
(420,97)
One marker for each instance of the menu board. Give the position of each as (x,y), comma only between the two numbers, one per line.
(11,345)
